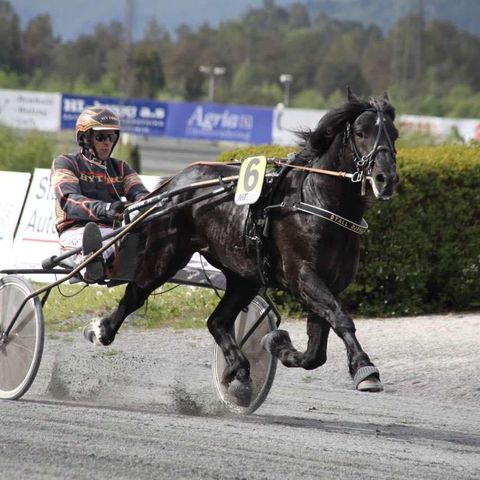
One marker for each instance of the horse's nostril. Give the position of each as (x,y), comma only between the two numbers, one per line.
(380,178)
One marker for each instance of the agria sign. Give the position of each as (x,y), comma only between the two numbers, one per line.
(232,123)
(224,120)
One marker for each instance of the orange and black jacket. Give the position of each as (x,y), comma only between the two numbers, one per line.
(84,189)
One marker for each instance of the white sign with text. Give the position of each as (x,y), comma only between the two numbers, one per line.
(14,186)
(36,237)
(30,110)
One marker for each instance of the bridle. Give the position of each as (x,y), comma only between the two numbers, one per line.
(364,163)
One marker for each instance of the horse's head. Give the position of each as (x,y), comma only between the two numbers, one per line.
(367,129)
(372,136)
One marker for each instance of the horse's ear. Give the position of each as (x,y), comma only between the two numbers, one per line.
(350,95)
(385,96)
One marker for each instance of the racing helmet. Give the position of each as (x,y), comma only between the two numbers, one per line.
(95,118)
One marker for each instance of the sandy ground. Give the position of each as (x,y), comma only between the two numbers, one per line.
(145,407)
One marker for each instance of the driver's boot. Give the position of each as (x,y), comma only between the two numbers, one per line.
(91,242)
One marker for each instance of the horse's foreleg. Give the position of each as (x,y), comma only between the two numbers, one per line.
(319,300)
(364,373)
(236,376)
(103,331)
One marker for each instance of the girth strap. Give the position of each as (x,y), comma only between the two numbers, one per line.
(343,222)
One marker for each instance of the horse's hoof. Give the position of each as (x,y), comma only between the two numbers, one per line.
(367,379)
(272,340)
(370,384)
(93,334)
(240,393)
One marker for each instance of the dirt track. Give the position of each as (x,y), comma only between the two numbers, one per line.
(145,408)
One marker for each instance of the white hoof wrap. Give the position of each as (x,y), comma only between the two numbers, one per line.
(365,384)
(92,333)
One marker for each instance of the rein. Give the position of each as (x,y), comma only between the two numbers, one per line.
(334,173)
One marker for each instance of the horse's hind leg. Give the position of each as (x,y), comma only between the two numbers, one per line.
(278,343)
(236,377)
(103,331)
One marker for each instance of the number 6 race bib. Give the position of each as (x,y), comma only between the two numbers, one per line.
(250,181)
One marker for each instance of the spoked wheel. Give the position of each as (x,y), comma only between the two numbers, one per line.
(20,350)
(262,365)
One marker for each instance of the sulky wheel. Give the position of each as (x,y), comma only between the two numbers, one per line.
(262,365)
(20,350)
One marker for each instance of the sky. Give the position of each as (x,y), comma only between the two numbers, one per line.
(73,18)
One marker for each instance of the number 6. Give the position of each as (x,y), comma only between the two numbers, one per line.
(251,175)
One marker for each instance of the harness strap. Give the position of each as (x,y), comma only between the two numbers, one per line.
(359,228)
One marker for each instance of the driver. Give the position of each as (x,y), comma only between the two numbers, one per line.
(93,189)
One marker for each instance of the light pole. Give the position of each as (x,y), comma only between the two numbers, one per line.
(212,72)
(286,80)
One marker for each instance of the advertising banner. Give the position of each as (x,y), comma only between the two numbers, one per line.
(466,128)
(230,123)
(30,110)
(288,121)
(36,237)
(137,117)
(13,188)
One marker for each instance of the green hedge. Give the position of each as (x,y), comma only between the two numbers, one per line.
(23,152)
(422,251)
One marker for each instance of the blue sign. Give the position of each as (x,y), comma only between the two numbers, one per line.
(234,123)
(138,117)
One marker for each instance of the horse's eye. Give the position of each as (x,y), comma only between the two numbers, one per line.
(359,134)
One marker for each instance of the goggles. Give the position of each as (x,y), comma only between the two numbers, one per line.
(101,137)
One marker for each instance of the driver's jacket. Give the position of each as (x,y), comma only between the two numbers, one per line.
(84,189)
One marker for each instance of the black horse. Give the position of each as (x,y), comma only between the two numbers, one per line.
(314,221)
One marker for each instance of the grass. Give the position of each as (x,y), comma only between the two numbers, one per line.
(70,307)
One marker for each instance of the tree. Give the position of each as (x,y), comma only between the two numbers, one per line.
(421,63)
(193,85)
(342,62)
(90,57)
(298,16)
(39,45)
(192,50)
(159,38)
(148,75)
(10,38)
(407,41)
(304,53)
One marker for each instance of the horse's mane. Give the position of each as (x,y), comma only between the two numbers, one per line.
(336,119)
